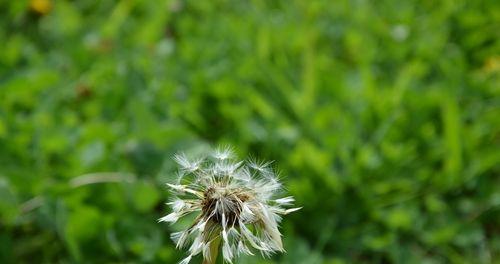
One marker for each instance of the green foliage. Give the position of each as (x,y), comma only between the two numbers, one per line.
(383,116)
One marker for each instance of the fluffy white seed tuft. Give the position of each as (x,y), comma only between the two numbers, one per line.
(237,206)
(186,260)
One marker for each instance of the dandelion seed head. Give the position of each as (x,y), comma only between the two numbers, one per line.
(235,202)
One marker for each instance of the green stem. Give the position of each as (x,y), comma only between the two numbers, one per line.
(214,251)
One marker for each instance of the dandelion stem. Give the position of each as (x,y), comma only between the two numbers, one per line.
(214,251)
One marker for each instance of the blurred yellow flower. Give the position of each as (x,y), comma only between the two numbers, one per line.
(492,65)
(41,7)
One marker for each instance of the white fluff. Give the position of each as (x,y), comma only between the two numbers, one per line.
(186,260)
(231,196)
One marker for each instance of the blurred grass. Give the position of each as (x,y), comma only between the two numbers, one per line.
(382,116)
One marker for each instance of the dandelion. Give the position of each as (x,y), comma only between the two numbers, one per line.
(235,204)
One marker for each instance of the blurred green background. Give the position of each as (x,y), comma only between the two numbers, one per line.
(383,117)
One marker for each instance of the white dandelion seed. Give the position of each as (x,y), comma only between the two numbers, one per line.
(223,153)
(236,203)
